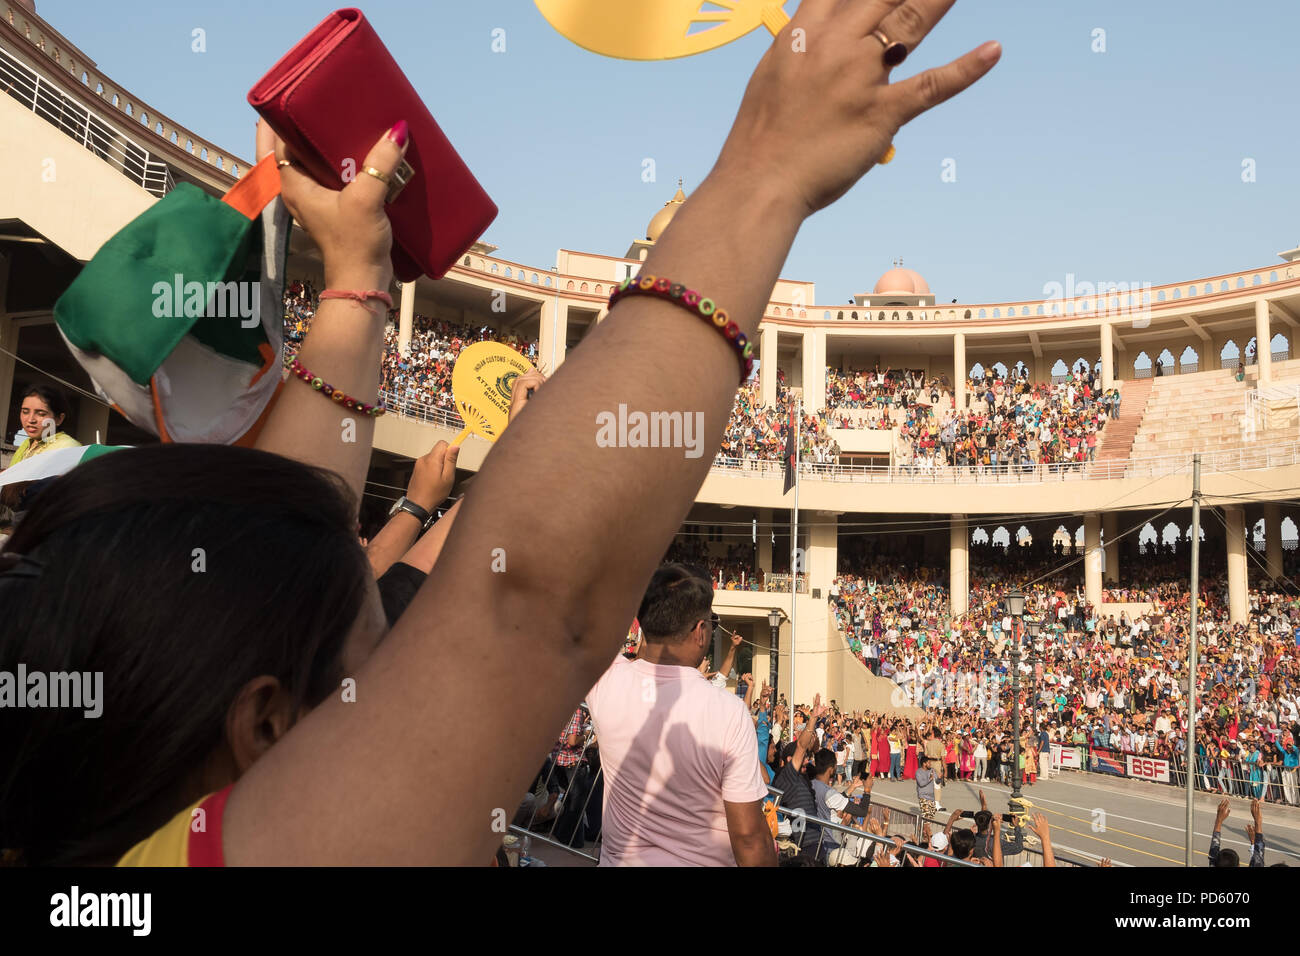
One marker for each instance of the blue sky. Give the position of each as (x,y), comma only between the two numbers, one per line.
(1117,166)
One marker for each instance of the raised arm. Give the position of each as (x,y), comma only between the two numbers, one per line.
(579,527)
(343,344)
(431,480)
(1255,833)
(729,661)
(424,554)
(807,742)
(1038,823)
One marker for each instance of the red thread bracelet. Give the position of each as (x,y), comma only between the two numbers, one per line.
(362,297)
(693,302)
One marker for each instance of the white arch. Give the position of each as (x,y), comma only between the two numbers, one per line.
(1147,537)
(1290,537)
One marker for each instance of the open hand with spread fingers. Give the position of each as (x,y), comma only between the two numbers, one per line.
(828,88)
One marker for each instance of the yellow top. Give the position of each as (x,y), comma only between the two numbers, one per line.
(34,446)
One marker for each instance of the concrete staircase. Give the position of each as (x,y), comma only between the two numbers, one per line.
(1198,412)
(1117,437)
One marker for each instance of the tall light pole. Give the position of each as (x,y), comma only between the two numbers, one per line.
(1016,608)
(1189,758)
(774,622)
(1032,627)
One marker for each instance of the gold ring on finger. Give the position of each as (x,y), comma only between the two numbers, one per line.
(895,51)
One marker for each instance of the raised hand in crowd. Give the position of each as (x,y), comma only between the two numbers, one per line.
(1038,824)
(524,389)
(351,228)
(431,481)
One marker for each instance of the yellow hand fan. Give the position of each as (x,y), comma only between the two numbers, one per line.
(481,381)
(662,29)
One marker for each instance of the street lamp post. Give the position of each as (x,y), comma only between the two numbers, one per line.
(774,622)
(1016,608)
(1032,627)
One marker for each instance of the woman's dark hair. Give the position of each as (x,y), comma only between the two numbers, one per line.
(51,395)
(180,572)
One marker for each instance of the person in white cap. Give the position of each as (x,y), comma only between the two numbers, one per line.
(939,844)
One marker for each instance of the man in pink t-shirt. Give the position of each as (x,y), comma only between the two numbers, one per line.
(680,756)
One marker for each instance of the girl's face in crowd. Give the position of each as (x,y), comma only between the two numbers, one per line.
(34,414)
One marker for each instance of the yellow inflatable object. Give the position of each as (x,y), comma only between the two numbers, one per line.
(481,382)
(659,29)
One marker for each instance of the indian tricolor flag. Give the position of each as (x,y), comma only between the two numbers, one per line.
(179,317)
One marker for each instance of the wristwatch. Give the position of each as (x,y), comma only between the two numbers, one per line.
(410,507)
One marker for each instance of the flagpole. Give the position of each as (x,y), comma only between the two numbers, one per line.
(1189,758)
(794,552)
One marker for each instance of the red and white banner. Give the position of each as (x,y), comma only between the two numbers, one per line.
(1071,758)
(1148,768)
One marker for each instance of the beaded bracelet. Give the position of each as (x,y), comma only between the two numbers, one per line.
(692,301)
(330,392)
(361,297)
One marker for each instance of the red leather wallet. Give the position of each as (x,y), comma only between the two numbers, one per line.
(332,96)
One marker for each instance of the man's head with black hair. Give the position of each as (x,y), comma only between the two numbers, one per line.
(963,844)
(676,614)
(823,763)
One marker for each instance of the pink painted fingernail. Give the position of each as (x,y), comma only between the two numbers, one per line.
(399,132)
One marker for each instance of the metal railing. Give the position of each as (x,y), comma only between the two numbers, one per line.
(1261,403)
(801,822)
(422,411)
(563,829)
(1251,457)
(44,98)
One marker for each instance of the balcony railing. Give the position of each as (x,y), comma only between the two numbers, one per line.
(422,411)
(40,44)
(40,95)
(1251,457)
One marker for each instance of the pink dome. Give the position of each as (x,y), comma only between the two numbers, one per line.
(901,281)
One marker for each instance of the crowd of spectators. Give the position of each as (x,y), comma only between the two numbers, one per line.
(1008,424)
(423,374)
(733,571)
(1098,680)
(756,432)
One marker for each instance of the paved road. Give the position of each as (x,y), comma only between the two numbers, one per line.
(1143,824)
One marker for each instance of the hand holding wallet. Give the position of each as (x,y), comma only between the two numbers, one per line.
(331,97)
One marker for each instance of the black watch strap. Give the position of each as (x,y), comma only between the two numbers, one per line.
(411,508)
